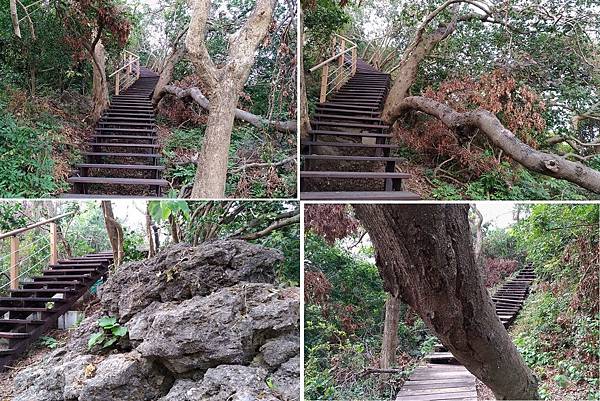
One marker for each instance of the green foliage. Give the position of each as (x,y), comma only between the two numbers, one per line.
(133,243)
(49,342)
(498,243)
(343,322)
(26,166)
(163,210)
(109,334)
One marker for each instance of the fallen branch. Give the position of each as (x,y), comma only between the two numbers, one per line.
(545,163)
(295,219)
(252,119)
(369,371)
(255,165)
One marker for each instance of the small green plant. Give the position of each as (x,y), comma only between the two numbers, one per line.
(49,342)
(110,332)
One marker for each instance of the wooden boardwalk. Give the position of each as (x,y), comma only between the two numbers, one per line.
(350,121)
(443,378)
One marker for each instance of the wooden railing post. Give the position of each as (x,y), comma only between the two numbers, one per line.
(14,262)
(117,83)
(339,79)
(324,76)
(53,243)
(130,63)
(354,59)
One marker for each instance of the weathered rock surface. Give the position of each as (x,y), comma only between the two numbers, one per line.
(226,327)
(225,382)
(181,272)
(197,318)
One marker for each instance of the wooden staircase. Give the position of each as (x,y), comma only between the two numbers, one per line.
(33,309)
(443,378)
(123,150)
(353,114)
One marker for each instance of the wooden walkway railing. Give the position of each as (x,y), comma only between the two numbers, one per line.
(128,73)
(13,236)
(337,69)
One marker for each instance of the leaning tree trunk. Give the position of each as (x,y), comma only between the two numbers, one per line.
(114,231)
(304,118)
(425,257)
(100,83)
(211,174)
(390,332)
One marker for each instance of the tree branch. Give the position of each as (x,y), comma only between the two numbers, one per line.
(254,165)
(252,119)
(545,163)
(274,226)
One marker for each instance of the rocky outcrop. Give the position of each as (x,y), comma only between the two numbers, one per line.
(205,323)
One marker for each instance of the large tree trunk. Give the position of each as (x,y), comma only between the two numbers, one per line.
(211,174)
(225,83)
(390,332)
(100,84)
(304,117)
(425,256)
(541,162)
(114,231)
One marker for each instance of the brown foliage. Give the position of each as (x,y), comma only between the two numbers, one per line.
(518,107)
(497,270)
(317,288)
(331,221)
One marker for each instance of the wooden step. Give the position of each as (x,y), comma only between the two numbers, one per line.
(21,322)
(349,144)
(4,309)
(116,154)
(352,174)
(58,271)
(57,282)
(343,106)
(128,137)
(42,290)
(30,299)
(141,130)
(120,124)
(80,277)
(341,117)
(9,334)
(351,158)
(117,180)
(84,263)
(342,133)
(120,166)
(340,110)
(364,195)
(123,145)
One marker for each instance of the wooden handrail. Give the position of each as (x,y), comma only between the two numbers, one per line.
(15,244)
(130,60)
(341,73)
(330,59)
(34,225)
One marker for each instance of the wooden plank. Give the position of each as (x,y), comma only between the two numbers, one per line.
(435,397)
(436,390)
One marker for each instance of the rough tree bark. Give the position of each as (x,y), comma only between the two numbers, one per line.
(151,245)
(425,256)
(225,83)
(390,332)
(100,83)
(541,162)
(478,244)
(114,231)
(304,117)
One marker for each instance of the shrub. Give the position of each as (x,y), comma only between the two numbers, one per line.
(110,332)
(498,269)
(26,166)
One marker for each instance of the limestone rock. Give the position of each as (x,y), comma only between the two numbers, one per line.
(181,272)
(226,327)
